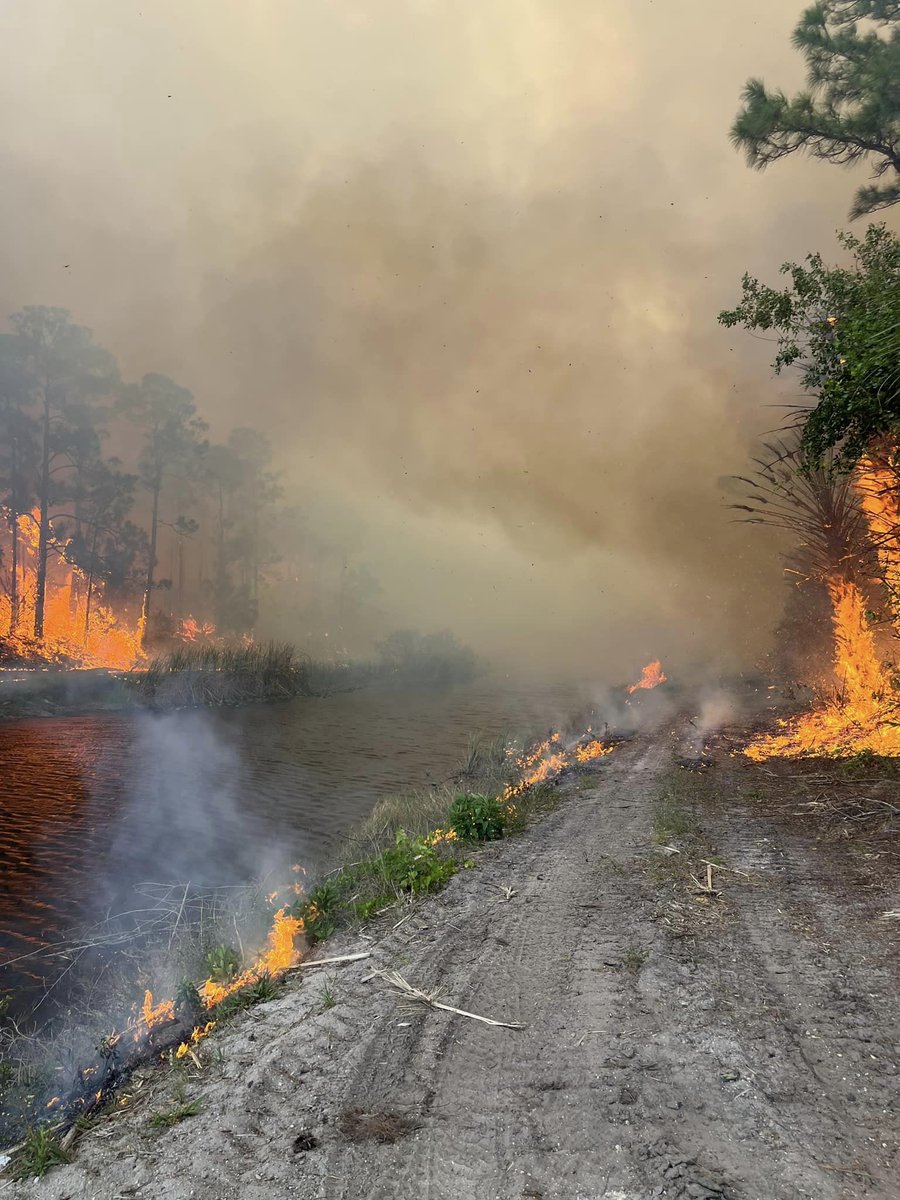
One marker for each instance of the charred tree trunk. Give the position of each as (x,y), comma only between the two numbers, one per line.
(90,584)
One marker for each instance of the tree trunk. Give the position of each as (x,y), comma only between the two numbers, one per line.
(151,560)
(220,562)
(14,536)
(90,585)
(44,531)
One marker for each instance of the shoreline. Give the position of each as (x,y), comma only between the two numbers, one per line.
(646,1050)
(398,854)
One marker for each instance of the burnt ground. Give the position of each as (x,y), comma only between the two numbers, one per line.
(737,1043)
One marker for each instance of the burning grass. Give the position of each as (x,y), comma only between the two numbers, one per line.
(408,847)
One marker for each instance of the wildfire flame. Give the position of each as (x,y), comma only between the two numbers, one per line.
(651,676)
(863,717)
(79,626)
(549,759)
(876,485)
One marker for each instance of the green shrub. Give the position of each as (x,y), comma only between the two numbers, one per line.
(477,818)
(411,865)
(223,964)
(318,909)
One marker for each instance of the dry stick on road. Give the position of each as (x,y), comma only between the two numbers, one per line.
(405,988)
(339,958)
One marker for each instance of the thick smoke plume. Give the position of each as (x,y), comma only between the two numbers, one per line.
(462,263)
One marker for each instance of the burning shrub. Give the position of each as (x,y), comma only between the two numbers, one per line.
(477,818)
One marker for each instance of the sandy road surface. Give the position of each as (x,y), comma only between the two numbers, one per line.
(743,1047)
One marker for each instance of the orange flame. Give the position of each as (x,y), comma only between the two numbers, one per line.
(192,630)
(549,759)
(862,717)
(79,626)
(277,958)
(877,486)
(156,1014)
(651,676)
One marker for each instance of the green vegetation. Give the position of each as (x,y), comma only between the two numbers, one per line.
(477,818)
(223,963)
(671,820)
(850,111)
(840,326)
(205,674)
(329,995)
(410,867)
(40,1152)
(172,1116)
(413,843)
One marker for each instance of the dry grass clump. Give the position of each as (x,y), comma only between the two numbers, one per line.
(357,1125)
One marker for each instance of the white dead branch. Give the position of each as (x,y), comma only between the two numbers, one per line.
(892,914)
(405,988)
(338,958)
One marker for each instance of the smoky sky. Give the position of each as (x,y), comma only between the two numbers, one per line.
(461,261)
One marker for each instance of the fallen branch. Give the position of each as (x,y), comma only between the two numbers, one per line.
(396,980)
(339,958)
(718,867)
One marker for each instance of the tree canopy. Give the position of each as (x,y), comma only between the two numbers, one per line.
(850,111)
(841,327)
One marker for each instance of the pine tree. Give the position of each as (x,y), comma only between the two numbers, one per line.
(850,111)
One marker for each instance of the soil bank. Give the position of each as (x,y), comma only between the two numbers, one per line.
(739,1044)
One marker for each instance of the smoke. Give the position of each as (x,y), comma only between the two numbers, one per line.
(185,812)
(462,263)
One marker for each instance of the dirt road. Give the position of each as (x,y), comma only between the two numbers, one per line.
(739,1045)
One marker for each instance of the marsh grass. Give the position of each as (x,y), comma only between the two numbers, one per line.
(210,675)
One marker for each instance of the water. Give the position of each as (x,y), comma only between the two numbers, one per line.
(92,806)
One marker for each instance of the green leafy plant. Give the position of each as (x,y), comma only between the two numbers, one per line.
(477,818)
(223,963)
(318,909)
(40,1152)
(187,998)
(411,865)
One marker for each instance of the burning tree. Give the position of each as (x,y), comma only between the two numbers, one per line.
(65,374)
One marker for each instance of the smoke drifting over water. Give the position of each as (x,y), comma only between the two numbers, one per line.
(461,262)
(186,815)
